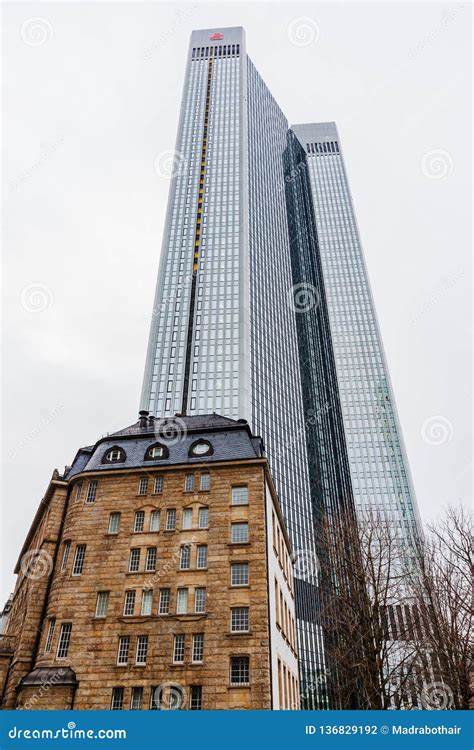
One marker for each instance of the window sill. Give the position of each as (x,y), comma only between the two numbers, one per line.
(238,544)
(245,685)
(192,570)
(238,633)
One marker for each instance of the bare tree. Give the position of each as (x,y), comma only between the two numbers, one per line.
(442,586)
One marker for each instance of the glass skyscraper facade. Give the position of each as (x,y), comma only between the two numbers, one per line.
(377,461)
(257,216)
(223,335)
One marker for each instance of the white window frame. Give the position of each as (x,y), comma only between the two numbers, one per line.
(102,596)
(201,556)
(165,596)
(79,558)
(114,520)
(203,511)
(236,500)
(182,601)
(139,514)
(155,518)
(64,640)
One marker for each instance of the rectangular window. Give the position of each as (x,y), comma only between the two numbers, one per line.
(142,649)
(200,600)
(198,647)
(239,619)
(185,557)
(240,495)
(178,650)
(203,518)
(205,482)
(239,575)
(117,699)
(91,492)
(134,562)
(155,520)
(49,637)
(78,566)
(139,524)
(195,698)
(114,523)
(66,550)
(182,602)
(137,699)
(64,640)
(158,486)
(170,519)
(187,518)
(102,604)
(239,670)
(147,602)
(164,605)
(79,486)
(150,563)
(143,486)
(189,483)
(201,557)
(123,649)
(239,533)
(129,603)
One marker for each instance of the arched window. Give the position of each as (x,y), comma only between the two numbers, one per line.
(156,452)
(201,448)
(115,455)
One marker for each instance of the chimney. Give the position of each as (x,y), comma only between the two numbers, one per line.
(151,421)
(142,419)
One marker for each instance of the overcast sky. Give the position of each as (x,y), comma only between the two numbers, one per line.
(91,98)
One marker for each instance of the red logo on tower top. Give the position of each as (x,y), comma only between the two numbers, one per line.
(215,37)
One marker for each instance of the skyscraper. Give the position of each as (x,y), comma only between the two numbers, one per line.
(263,312)
(223,333)
(377,460)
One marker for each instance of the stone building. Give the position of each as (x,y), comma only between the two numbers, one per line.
(156,574)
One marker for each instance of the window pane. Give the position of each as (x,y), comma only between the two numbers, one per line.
(164,606)
(114,523)
(139,520)
(187,518)
(203,518)
(201,559)
(91,492)
(155,520)
(189,483)
(137,698)
(150,559)
(78,566)
(185,557)
(239,670)
(182,602)
(195,702)
(123,649)
(64,640)
(49,637)
(102,604)
(134,563)
(198,647)
(239,619)
(158,488)
(171,519)
(117,699)
(205,482)
(239,574)
(178,651)
(66,550)
(129,605)
(142,649)
(143,486)
(147,602)
(240,495)
(200,600)
(240,533)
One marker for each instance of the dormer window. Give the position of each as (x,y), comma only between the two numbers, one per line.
(201,448)
(156,451)
(114,455)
